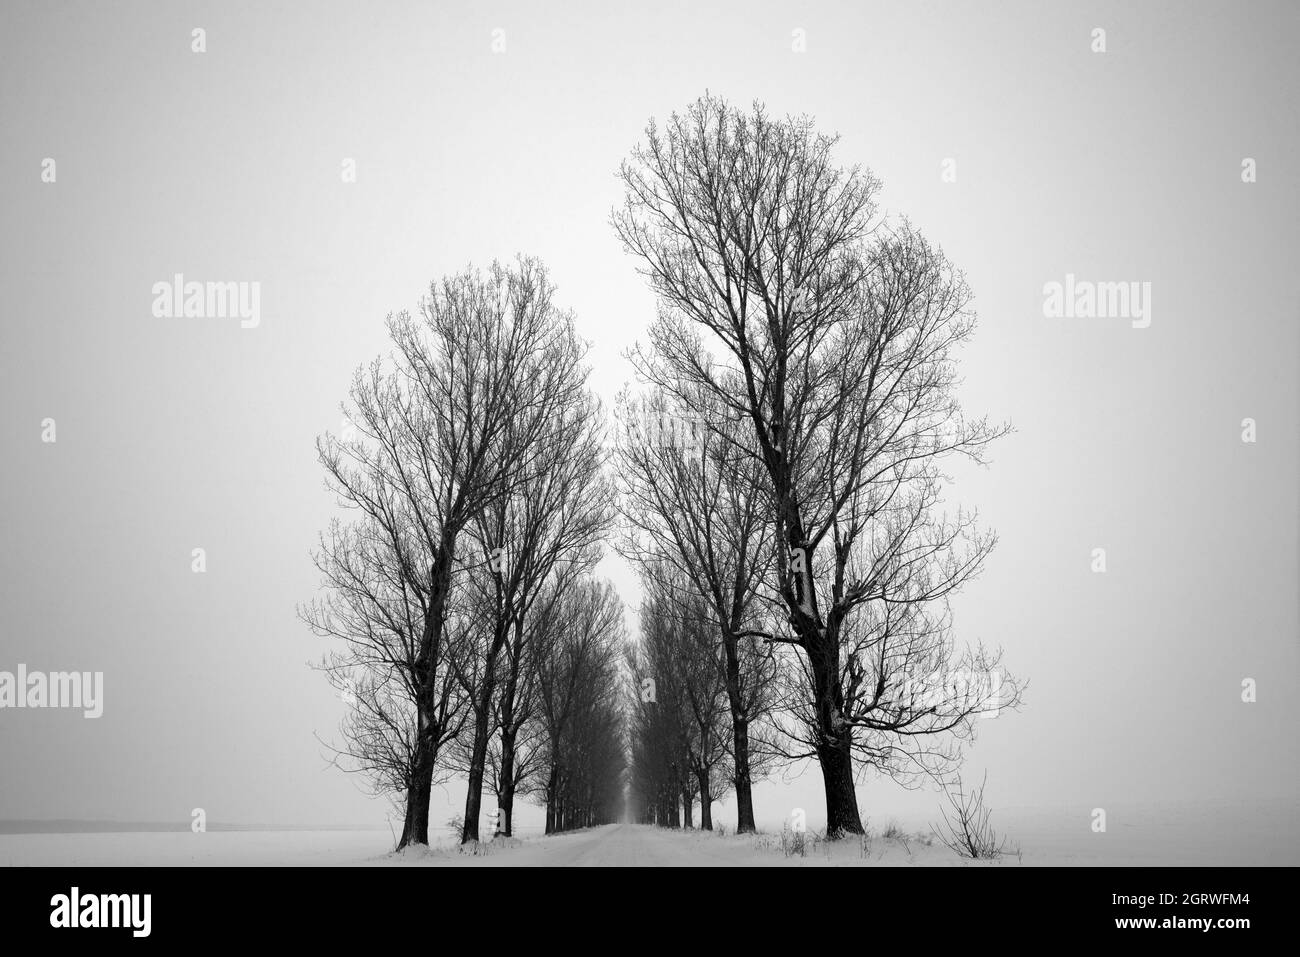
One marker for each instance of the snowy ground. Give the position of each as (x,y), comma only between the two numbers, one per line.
(181,848)
(1171,835)
(630,845)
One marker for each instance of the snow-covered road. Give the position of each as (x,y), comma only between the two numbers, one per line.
(633,845)
(616,845)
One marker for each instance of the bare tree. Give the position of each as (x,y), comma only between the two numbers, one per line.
(694,507)
(657,775)
(516,755)
(798,329)
(966,827)
(545,528)
(679,653)
(579,708)
(441,430)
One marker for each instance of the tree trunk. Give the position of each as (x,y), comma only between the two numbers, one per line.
(740,739)
(506,789)
(478,760)
(415,829)
(688,819)
(478,756)
(552,789)
(706,798)
(821,644)
(835,738)
(509,730)
(841,798)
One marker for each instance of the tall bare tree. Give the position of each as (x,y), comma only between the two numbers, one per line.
(441,431)
(693,508)
(545,528)
(822,343)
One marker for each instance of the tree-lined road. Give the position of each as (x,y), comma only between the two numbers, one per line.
(615,845)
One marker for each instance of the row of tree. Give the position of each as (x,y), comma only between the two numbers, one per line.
(776,482)
(469,636)
(782,494)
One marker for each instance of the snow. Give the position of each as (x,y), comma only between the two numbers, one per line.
(181,848)
(1174,834)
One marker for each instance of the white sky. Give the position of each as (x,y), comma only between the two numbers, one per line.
(175,434)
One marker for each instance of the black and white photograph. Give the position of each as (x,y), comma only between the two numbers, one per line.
(781,434)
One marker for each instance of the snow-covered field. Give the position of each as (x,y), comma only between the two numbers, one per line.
(181,848)
(1183,834)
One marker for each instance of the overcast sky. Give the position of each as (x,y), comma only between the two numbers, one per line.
(175,434)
